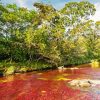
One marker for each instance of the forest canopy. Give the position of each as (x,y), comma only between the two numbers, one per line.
(56,37)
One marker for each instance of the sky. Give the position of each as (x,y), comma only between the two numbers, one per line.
(58,4)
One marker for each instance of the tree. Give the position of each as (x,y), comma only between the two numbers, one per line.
(58,37)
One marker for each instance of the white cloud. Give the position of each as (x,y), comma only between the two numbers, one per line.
(26,3)
(96,17)
(21,3)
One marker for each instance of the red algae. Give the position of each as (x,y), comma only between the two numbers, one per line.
(50,85)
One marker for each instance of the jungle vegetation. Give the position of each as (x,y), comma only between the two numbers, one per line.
(46,37)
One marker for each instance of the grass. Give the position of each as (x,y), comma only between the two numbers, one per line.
(7,68)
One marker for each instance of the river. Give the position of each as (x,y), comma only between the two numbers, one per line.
(50,85)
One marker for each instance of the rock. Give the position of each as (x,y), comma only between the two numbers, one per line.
(61,67)
(81,83)
(95,82)
(74,68)
(85,84)
(74,83)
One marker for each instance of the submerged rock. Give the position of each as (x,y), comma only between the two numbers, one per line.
(84,83)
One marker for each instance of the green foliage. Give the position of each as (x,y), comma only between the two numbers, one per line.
(76,11)
(95,63)
(9,70)
(47,37)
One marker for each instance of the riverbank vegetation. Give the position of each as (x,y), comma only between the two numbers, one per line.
(47,37)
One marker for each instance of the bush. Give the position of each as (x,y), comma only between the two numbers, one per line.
(9,70)
(95,63)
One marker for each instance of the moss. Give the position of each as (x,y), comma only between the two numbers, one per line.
(23,69)
(95,63)
(10,70)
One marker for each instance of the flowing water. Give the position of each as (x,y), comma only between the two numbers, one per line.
(50,85)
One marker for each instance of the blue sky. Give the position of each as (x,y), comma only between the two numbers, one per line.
(56,3)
